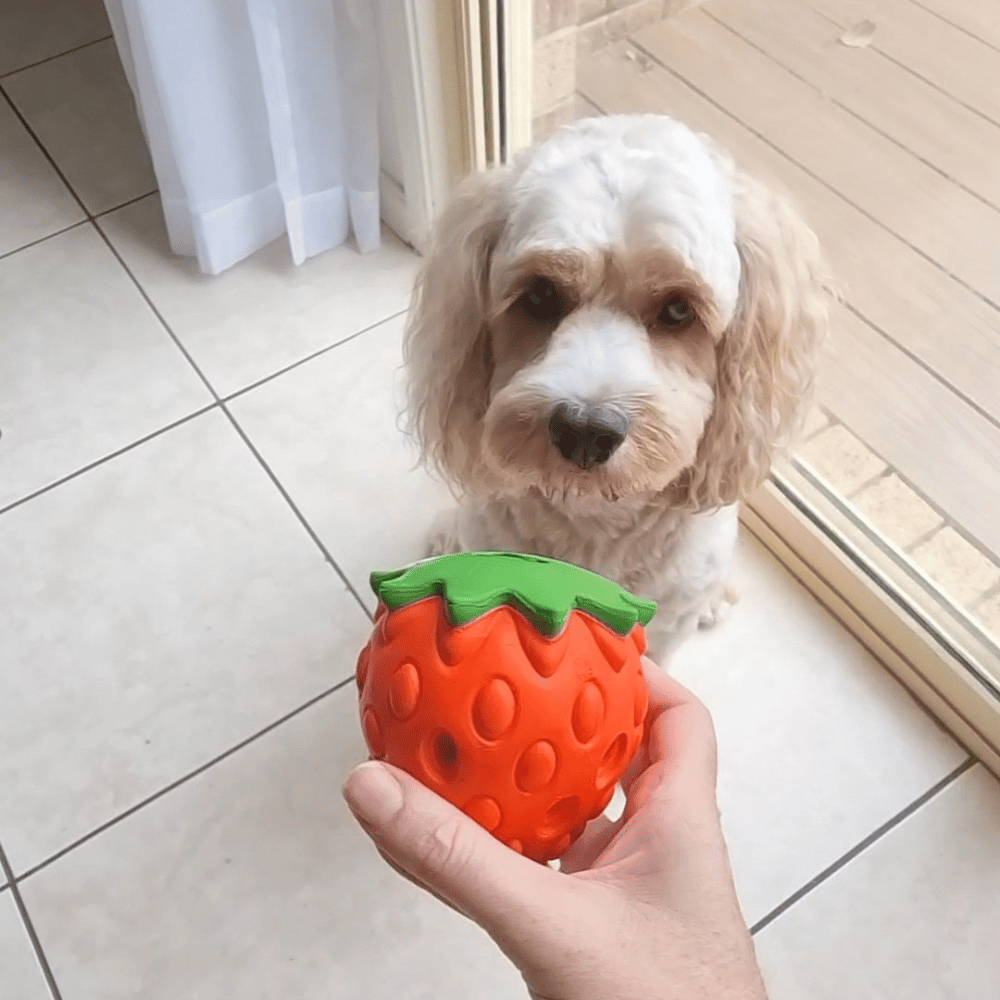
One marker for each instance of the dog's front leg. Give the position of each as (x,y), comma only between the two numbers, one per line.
(718,606)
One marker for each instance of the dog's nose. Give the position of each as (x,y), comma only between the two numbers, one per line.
(587,437)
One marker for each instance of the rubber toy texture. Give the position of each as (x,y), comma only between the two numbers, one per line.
(511,685)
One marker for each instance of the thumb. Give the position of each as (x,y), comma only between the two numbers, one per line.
(450,854)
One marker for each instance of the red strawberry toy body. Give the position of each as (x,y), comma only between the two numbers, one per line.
(511,685)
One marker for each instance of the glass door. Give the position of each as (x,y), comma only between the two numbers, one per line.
(888,138)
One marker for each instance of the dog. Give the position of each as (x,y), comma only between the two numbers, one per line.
(609,342)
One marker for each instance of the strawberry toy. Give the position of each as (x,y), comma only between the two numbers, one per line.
(511,685)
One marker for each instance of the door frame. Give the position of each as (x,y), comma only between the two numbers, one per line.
(458,81)
(831,562)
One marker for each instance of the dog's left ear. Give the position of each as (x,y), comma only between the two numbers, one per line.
(767,357)
(446,347)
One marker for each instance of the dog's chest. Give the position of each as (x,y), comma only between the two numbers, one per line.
(649,549)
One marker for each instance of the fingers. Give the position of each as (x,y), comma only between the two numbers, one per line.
(680,731)
(671,779)
(664,691)
(440,848)
(387,858)
(665,694)
(635,768)
(591,845)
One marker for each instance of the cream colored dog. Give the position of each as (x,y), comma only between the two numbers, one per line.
(608,343)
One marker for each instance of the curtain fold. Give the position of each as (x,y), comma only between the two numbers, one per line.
(260,116)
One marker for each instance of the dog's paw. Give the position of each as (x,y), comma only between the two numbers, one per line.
(717,608)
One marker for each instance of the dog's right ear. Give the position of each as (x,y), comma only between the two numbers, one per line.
(447,348)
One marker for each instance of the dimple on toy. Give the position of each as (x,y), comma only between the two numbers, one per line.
(511,685)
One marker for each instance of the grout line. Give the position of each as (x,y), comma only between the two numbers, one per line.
(125,204)
(107,458)
(806,170)
(948,519)
(590,100)
(295,510)
(871,481)
(959,27)
(926,536)
(156,312)
(42,239)
(864,844)
(239,430)
(48,156)
(184,779)
(74,225)
(29,927)
(831,421)
(855,114)
(987,595)
(885,55)
(310,357)
(58,55)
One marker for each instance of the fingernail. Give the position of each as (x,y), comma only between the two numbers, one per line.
(373,793)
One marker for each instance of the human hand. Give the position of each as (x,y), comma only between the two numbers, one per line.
(643,907)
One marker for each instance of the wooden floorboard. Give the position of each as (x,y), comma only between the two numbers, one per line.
(918,116)
(926,209)
(945,55)
(938,341)
(947,452)
(917,305)
(979,18)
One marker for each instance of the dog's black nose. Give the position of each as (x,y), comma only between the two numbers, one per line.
(587,437)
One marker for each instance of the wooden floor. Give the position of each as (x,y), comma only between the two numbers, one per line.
(892,152)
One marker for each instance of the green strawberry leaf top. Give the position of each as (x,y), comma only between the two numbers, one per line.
(544,590)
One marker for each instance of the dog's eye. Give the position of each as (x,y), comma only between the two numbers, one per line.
(541,301)
(677,312)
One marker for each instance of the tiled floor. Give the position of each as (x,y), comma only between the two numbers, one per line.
(196,475)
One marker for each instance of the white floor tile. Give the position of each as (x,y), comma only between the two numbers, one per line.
(818,745)
(81,108)
(915,916)
(253,881)
(39,29)
(156,611)
(265,313)
(85,366)
(34,202)
(330,431)
(20,975)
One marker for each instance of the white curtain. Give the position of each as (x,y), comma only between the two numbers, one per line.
(260,116)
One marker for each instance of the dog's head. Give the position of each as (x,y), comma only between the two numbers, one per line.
(619,314)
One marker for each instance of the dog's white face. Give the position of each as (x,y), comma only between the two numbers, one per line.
(604,319)
(603,380)
(595,323)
